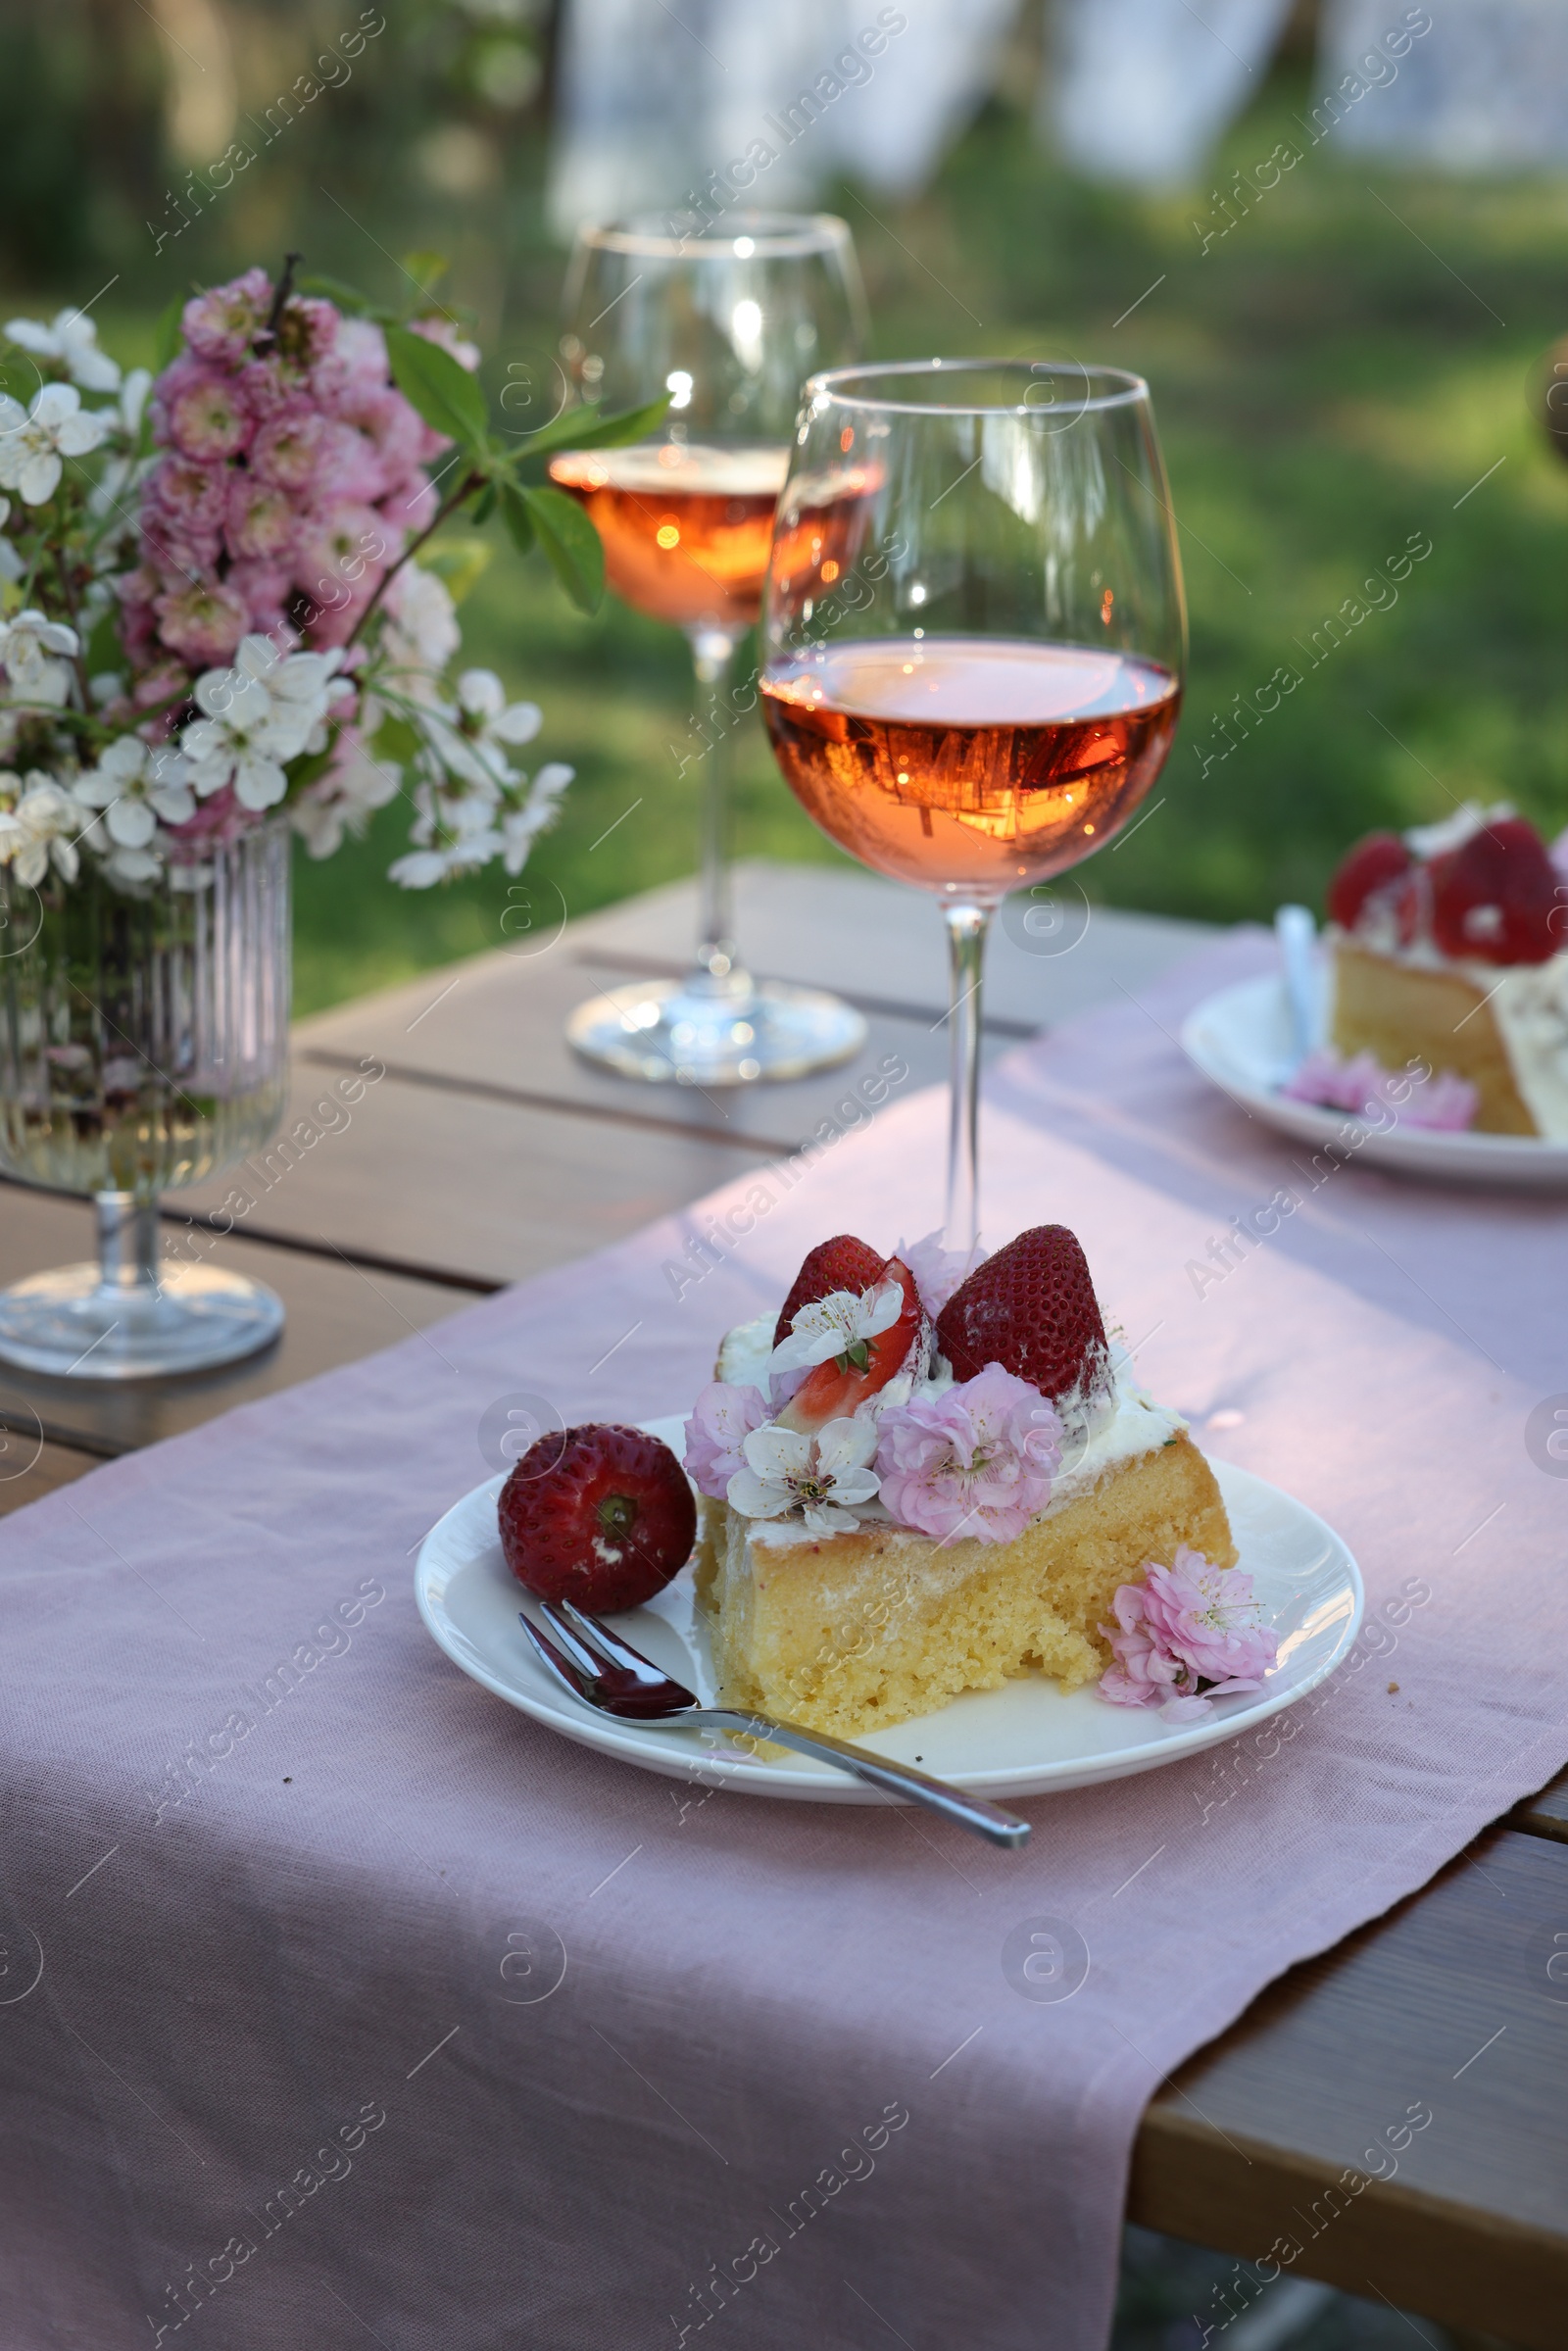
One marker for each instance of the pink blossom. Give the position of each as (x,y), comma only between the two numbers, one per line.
(358,365)
(265,589)
(288,447)
(262,521)
(222,324)
(202,620)
(187,495)
(306,334)
(938,1271)
(411,504)
(266,385)
(1446,1103)
(350,464)
(976,1461)
(393,429)
(722,1418)
(219,821)
(198,410)
(159,684)
(1190,1633)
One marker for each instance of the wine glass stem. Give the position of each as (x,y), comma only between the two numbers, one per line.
(717,967)
(127,1242)
(967,926)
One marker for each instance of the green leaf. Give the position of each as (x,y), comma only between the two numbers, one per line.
(457,559)
(425,269)
(586,428)
(104,650)
(484,506)
(395,741)
(517,517)
(445,394)
(571,543)
(349,299)
(167,335)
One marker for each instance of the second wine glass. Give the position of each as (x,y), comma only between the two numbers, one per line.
(728,323)
(974,641)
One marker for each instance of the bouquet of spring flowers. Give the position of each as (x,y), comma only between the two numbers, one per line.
(212,607)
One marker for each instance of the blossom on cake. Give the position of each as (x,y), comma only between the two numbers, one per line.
(938,1271)
(823,1479)
(722,1418)
(1188,1634)
(975,1461)
(1446,1103)
(840,1325)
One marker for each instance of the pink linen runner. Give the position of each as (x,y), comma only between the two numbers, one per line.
(369,2009)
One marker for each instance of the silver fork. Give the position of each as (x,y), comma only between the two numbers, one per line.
(609,1675)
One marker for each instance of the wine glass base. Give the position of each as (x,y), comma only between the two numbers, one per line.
(72,1325)
(668,1032)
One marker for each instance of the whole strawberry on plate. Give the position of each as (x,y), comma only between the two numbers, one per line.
(603,1516)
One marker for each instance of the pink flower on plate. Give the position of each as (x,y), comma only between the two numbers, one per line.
(722,1418)
(261,523)
(976,1461)
(200,411)
(1444,1103)
(1188,1634)
(287,450)
(222,324)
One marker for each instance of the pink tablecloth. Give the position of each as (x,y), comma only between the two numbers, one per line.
(302,2065)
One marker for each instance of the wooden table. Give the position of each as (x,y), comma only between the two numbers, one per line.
(481,1151)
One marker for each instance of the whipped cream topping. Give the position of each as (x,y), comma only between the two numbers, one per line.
(1121,1423)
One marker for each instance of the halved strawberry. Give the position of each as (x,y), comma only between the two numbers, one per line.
(1495,897)
(831,1390)
(1371,867)
(1031,1308)
(842,1263)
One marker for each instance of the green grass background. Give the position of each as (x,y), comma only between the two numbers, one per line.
(1331,376)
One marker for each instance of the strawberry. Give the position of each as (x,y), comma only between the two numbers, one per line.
(1031,1310)
(1372,865)
(1494,897)
(831,1390)
(602,1515)
(843,1263)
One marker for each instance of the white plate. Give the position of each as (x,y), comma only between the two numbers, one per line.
(1023,1739)
(1241,1037)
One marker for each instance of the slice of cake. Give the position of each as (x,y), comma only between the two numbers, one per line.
(909,1494)
(1448,949)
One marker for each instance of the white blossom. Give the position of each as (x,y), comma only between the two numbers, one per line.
(37,654)
(837,1325)
(34,441)
(135,783)
(40,826)
(421,632)
(822,1479)
(73,339)
(256,715)
(518,826)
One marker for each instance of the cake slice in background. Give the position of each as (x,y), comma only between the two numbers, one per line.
(1447,948)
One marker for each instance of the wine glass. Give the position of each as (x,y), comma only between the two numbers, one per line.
(728,323)
(974,641)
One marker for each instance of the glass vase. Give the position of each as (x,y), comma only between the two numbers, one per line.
(143,1047)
